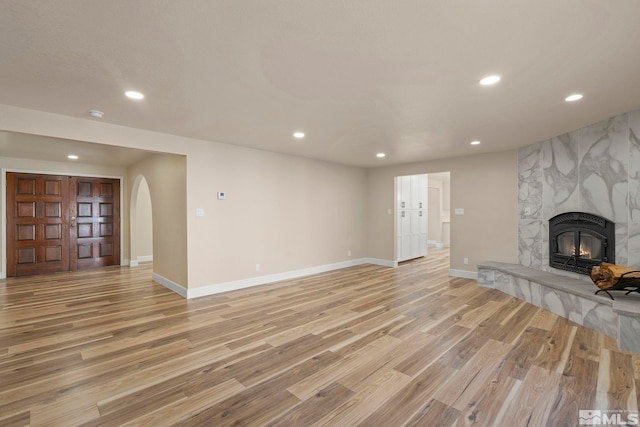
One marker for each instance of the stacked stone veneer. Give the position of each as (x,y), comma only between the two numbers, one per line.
(595,169)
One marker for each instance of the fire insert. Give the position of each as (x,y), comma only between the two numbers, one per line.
(578,241)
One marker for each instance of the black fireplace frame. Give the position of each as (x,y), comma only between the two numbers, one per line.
(578,222)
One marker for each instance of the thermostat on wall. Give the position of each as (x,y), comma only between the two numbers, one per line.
(222,195)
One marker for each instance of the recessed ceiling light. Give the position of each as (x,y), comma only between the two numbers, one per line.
(489,80)
(298,135)
(574,97)
(380,155)
(134,95)
(72,157)
(475,142)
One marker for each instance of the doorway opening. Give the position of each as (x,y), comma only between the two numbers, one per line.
(439,211)
(141,221)
(422,214)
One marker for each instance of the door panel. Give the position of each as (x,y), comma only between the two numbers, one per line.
(37,234)
(95,222)
(59,223)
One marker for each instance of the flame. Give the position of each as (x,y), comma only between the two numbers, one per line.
(584,252)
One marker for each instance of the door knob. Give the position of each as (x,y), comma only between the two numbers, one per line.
(73,221)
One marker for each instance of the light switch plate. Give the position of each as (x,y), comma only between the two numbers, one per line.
(222,195)
(459,211)
(199,211)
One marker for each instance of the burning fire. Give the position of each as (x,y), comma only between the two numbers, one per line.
(584,252)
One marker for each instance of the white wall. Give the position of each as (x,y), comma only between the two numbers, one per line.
(284,212)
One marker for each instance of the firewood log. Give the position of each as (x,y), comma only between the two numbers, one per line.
(608,275)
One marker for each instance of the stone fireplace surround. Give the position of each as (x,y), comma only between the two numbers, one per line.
(595,169)
(570,298)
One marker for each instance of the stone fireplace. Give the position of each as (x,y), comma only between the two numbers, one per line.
(594,170)
(578,241)
(579,205)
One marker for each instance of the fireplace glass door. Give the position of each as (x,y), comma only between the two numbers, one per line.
(580,244)
(578,241)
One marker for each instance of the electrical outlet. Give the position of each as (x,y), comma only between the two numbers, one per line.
(349,252)
(465,261)
(257,267)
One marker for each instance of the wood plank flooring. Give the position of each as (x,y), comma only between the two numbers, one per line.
(367,345)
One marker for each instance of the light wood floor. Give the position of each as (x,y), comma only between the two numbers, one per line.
(368,345)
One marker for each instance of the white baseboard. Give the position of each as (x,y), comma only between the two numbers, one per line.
(435,244)
(133,263)
(465,274)
(171,285)
(382,262)
(269,278)
(145,258)
(217,288)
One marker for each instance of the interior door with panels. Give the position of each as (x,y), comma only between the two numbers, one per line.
(94,213)
(59,223)
(37,224)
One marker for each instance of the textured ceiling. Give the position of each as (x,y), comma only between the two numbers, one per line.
(357,76)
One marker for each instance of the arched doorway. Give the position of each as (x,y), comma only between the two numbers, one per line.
(141,223)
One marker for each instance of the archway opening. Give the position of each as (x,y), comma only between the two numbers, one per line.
(141,222)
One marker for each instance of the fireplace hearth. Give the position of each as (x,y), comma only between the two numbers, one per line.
(578,241)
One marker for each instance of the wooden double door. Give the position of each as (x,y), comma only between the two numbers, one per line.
(60,223)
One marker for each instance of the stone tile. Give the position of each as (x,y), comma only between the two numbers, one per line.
(544,245)
(622,244)
(628,333)
(634,167)
(486,277)
(530,181)
(523,289)
(530,243)
(560,161)
(604,160)
(600,317)
(563,304)
(536,294)
(505,283)
(634,244)
(634,190)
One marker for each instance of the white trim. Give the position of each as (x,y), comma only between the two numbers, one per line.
(133,263)
(171,285)
(145,258)
(270,278)
(382,262)
(465,274)
(435,244)
(217,288)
